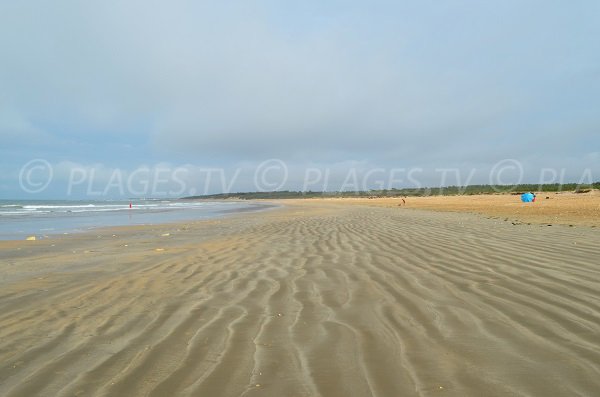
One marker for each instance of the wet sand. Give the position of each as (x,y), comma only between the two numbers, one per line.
(315,299)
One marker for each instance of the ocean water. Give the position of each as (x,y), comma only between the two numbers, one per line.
(19,219)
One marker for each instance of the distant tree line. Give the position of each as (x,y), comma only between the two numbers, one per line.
(406,192)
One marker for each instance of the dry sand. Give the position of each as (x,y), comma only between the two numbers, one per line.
(315,299)
(563,208)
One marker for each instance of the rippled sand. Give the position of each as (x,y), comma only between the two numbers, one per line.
(316,299)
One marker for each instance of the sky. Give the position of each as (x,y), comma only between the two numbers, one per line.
(98,91)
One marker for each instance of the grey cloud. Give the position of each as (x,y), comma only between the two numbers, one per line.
(387,83)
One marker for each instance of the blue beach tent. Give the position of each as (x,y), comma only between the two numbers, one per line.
(527,197)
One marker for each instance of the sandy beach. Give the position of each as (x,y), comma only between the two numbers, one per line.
(555,208)
(317,298)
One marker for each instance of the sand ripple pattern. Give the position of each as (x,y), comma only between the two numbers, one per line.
(345,301)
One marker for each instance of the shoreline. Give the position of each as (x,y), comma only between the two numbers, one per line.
(43,235)
(561,208)
(564,209)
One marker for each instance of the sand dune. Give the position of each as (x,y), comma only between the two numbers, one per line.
(316,299)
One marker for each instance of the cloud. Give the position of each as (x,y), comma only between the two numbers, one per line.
(15,129)
(388,83)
